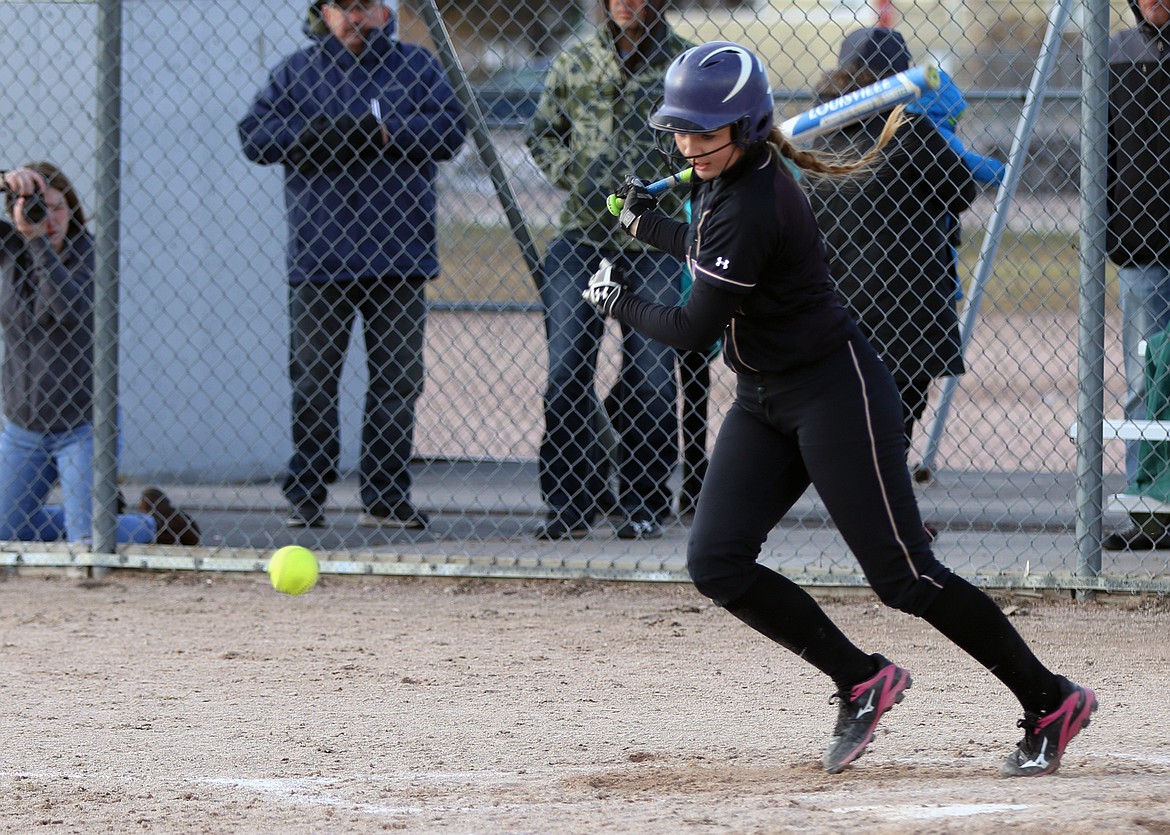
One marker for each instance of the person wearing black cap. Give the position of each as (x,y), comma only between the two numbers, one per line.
(886,232)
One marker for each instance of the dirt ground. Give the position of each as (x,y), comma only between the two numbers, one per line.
(199,703)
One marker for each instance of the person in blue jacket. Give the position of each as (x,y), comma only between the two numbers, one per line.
(944,108)
(358,120)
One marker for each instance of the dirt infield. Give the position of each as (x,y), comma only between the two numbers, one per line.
(187,703)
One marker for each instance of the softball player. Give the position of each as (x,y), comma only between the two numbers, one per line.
(814,405)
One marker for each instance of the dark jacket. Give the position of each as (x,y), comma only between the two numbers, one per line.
(46,312)
(1139,145)
(591,128)
(887,243)
(361,210)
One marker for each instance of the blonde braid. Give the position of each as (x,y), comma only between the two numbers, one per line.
(834,165)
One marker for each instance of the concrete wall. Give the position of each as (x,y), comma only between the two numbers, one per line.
(203,383)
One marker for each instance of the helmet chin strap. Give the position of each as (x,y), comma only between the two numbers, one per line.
(677,157)
(691,160)
(713,151)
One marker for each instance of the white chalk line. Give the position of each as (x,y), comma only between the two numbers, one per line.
(328,791)
(911,812)
(315,791)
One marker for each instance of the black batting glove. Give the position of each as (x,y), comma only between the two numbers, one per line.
(636,201)
(605,288)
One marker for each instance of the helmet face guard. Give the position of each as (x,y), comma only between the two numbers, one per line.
(715,85)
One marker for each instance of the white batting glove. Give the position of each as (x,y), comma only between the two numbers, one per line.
(605,288)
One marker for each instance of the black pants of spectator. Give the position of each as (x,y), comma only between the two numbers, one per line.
(915,392)
(694,371)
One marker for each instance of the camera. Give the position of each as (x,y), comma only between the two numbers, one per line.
(35,208)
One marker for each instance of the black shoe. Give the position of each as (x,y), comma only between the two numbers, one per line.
(1046,736)
(860,708)
(640,527)
(304,516)
(171,525)
(405,516)
(1134,539)
(557,528)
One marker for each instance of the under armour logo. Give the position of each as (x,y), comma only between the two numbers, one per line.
(722,263)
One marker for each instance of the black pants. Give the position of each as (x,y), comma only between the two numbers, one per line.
(836,424)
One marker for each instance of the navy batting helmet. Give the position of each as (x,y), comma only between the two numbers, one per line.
(714,85)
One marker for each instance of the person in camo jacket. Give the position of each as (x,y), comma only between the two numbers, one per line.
(589,132)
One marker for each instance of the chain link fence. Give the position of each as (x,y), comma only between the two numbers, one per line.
(199,238)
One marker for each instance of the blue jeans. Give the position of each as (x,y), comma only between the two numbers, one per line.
(393,313)
(1145,311)
(572,454)
(31,464)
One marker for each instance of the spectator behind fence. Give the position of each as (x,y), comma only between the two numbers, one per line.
(46,312)
(814,405)
(358,120)
(588,133)
(1138,236)
(886,229)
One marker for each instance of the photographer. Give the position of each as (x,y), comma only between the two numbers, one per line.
(46,312)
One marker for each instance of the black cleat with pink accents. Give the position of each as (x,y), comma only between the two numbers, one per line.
(1047,735)
(859,710)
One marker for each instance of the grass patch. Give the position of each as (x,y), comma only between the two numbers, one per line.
(483,263)
(1034,272)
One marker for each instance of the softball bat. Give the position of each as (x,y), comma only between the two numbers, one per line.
(853,107)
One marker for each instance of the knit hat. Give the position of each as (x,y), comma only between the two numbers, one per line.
(881,51)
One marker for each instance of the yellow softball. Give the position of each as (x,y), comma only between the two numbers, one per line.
(293,569)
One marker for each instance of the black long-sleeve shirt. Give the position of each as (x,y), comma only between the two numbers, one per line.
(760,273)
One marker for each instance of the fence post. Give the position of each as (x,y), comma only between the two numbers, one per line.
(108,158)
(1091,292)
